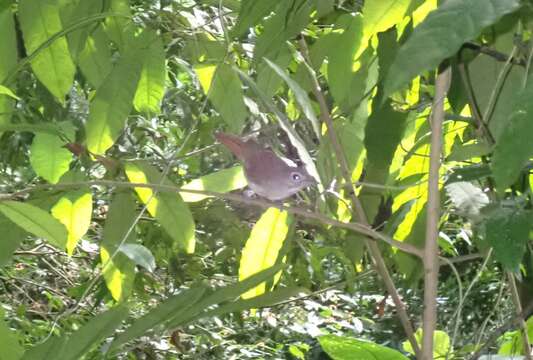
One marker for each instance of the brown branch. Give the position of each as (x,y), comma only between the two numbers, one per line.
(431,248)
(357,227)
(377,257)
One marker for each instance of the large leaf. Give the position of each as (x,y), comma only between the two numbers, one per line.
(12,236)
(10,348)
(346,348)
(383,133)
(267,79)
(36,221)
(251,13)
(95,59)
(82,341)
(161,314)
(72,12)
(74,210)
(379,15)
(8,57)
(48,157)
(263,246)
(341,57)
(221,181)
(167,208)
(119,272)
(189,304)
(151,87)
(291,16)
(441,344)
(441,35)
(301,96)
(514,147)
(227,96)
(507,231)
(113,100)
(39,20)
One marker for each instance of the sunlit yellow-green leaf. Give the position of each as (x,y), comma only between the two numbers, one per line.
(221,181)
(119,272)
(53,66)
(205,75)
(48,157)
(113,101)
(441,342)
(379,15)
(36,221)
(167,208)
(5,91)
(95,58)
(74,210)
(262,247)
(227,97)
(151,87)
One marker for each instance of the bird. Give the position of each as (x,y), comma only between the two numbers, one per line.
(268,175)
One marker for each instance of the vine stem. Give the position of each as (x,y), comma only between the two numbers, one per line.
(431,248)
(521,321)
(359,212)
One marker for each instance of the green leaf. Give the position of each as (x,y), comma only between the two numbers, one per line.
(514,147)
(227,293)
(7,91)
(346,348)
(49,158)
(8,58)
(167,208)
(268,299)
(117,27)
(39,20)
(36,221)
(151,87)
(45,128)
(227,97)
(221,181)
(341,57)
(140,255)
(441,35)
(379,15)
(82,341)
(468,151)
(176,304)
(74,11)
(263,246)
(250,14)
(119,272)
(95,59)
(507,231)
(301,96)
(441,344)
(112,103)
(383,133)
(10,348)
(291,16)
(267,79)
(10,242)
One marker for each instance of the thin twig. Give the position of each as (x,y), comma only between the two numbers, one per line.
(518,307)
(431,248)
(377,257)
(357,227)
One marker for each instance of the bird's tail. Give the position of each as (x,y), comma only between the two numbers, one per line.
(240,148)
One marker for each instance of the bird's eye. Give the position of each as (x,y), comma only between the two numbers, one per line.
(296,176)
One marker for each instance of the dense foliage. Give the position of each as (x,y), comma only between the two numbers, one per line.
(125,230)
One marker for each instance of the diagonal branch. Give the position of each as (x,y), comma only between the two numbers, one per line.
(377,257)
